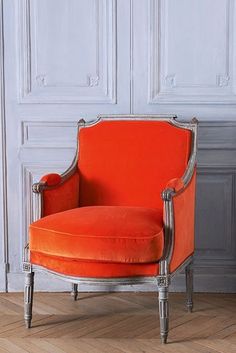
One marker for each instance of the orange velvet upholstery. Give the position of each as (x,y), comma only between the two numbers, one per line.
(52,179)
(129,163)
(106,220)
(101,233)
(176,184)
(93,269)
(184,208)
(62,197)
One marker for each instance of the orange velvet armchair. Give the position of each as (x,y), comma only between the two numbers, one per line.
(123,213)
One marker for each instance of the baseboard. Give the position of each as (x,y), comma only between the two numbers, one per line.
(2,278)
(218,283)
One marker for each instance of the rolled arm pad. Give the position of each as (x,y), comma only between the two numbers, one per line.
(52,179)
(176,184)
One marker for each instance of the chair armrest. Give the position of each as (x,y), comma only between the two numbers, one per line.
(179,219)
(57,192)
(179,212)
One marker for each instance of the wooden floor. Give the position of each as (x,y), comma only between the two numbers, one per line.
(117,323)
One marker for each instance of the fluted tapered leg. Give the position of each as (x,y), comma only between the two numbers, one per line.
(74,291)
(28,298)
(189,287)
(163,313)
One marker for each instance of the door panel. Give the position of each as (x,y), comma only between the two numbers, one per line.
(184,57)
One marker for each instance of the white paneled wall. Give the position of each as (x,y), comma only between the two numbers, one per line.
(67,51)
(64,60)
(187,57)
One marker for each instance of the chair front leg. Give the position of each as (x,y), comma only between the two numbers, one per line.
(189,287)
(28,298)
(163,313)
(74,291)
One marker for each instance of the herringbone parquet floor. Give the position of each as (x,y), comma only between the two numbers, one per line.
(117,323)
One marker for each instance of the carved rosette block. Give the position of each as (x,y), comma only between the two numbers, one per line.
(163,281)
(26,267)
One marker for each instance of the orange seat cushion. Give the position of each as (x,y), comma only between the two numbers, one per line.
(82,268)
(101,233)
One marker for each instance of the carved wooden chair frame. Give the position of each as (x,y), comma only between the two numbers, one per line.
(161,280)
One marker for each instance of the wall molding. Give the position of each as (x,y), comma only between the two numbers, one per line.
(96,87)
(217,135)
(164,86)
(3,167)
(217,162)
(217,145)
(220,188)
(48,134)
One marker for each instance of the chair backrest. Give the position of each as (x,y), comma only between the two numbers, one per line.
(129,162)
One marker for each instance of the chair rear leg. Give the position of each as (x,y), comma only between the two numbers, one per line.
(189,287)
(164,313)
(28,298)
(74,291)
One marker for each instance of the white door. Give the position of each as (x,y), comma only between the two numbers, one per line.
(63,60)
